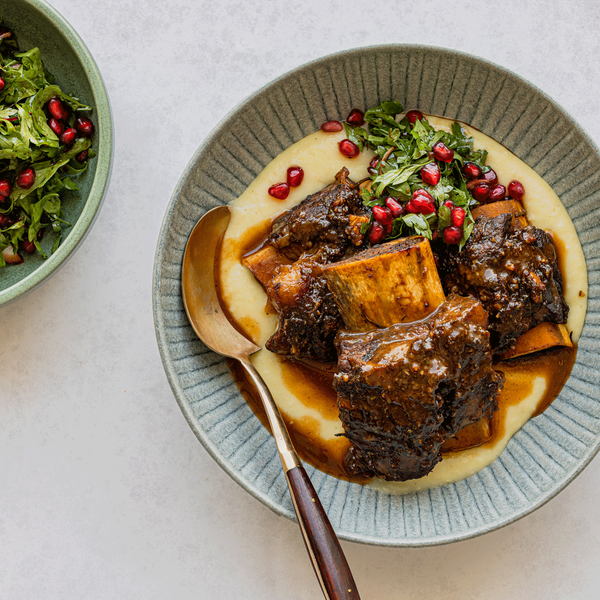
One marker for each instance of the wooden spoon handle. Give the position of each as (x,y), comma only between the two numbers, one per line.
(325,552)
(322,544)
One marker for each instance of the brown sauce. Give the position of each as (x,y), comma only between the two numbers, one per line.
(316,390)
(312,384)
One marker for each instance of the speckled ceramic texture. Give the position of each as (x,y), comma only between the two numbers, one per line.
(550,450)
(35,23)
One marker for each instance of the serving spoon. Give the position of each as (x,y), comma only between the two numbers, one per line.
(214,329)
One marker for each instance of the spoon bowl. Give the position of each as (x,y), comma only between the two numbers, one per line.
(199,289)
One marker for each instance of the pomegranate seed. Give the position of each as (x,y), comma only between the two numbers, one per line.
(410,207)
(56,125)
(453,235)
(356,117)
(5,188)
(82,156)
(84,126)
(26,178)
(442,152)
(348,148)
(516,190)
(449,203)
(395,207)
(55,108)
(68,136)
(457,216)
(331,126)
(372,168)
(295,175)
(376,233)
(497,193)
(280,191)
(471,170)
(423,205)
(414,115)
(2,83)
(431,174)
(382,215)
(422,192)
(28,246)
(481,191)
(434,236)
(491,177)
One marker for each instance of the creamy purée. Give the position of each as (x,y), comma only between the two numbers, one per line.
(320,158)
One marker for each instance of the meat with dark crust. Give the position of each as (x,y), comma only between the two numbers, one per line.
(323,228)
(513,271)
(324,225)
(404,390)
(308,316)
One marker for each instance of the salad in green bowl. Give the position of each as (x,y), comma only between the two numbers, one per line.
(45,138)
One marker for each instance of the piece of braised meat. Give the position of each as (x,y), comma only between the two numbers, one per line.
(308,316)
(405,389)
(324,225)
(323,228)
(513,271)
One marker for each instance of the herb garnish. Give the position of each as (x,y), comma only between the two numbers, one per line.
(403,148)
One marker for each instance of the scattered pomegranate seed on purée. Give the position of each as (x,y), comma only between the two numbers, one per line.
(332,126)
(59,141)
(280,191)
(295,175)
(481,191)
(516,190)
(349,148)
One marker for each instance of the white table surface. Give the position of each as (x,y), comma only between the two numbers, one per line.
(104,490)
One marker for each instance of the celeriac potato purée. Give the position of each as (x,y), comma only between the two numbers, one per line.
(320,158)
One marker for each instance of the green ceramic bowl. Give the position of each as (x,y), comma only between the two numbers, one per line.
(35,23)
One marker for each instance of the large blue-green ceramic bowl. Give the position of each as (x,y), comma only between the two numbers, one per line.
(551,449)
(35,23)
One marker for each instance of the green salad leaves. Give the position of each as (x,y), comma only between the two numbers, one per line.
(31,204)
(403,148)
